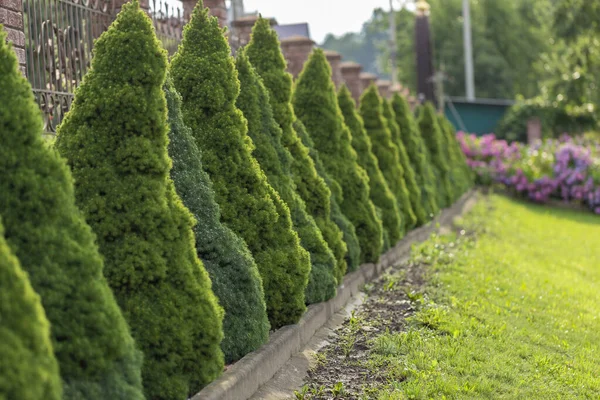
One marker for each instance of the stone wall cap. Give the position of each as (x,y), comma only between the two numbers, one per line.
(297,39)
(383,83)
(250,20)
(368,75)
(332,55)
(349,65)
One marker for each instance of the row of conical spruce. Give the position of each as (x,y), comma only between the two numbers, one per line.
(188,207)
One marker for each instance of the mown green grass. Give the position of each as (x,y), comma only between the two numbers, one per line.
(511,313)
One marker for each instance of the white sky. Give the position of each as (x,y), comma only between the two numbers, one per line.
(323,16)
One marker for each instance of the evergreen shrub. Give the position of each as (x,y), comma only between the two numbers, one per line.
(115,140)
(204,73)
(460,173)
(45,230)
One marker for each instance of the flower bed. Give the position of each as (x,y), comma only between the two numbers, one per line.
(567,168)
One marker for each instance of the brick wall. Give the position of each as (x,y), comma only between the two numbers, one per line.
(384,88)
(11,17)
(296,50)
(351,77)
(335,59)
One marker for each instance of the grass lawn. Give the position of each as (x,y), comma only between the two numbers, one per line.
(510,312)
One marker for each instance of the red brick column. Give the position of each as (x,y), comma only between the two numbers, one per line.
(384,88)
(367,79)
(351,77)
(335,60)
(241,29)
(217,8)
(11,17)
(296,50)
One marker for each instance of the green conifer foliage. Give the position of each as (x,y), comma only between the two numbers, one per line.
(276,162)
(315,103)
(233,272)
(371,110)
(351,245)
(121,167)
(433,138)
(409,174)
(28,368)
(460,172)
(380,193)
(265,55)
(417,153)
(204,73)
(55,246)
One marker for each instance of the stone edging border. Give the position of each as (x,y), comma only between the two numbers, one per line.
(244,378)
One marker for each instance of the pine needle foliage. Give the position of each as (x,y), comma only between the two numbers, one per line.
(417,154)
(276,162)
(371,110)
(264,52)
(204,73)
(460,172)
(380,193)
(433,138)
(115,140)
(233,272)
(316,105)
(409,174)
(45,230)
(28,368)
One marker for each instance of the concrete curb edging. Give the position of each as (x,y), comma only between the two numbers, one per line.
(245,377)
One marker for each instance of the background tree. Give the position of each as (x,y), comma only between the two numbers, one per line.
(371,110)
(28,368)
(233,272)
(316,105)
(414,192)
(417,154)
(46,231)
(121,167)
(432,137)
(380,193)
(276,161)
(264,52)
(204,73)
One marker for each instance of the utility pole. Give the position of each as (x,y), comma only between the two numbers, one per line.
(468,43)
(393,45)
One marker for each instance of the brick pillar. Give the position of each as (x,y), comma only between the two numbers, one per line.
(367,79)
(335,60)
(11,17)
(351,77)
(296,50)
(534,130)
(218,9)
(395,88)
(384,88)
(241,29)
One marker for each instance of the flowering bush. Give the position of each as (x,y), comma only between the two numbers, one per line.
(567,168)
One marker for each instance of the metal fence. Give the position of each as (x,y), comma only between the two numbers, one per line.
(60,36)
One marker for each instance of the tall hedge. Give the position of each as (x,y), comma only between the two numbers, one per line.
(115,140)
(409,174)
(380,193)
(342,224)
(28,368)
(204,73)
(276,162)
(49,235)
(315,103)
(233,272)
(371,110)
(417,154)
(433,139)
(265,55)
(460,172)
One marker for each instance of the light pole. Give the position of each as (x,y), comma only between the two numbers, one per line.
(393,44)
(469,72)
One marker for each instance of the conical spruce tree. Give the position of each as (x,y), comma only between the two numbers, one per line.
(265,55)
(233,272)
(45,230)
(417,154)
(204,73)
(409,174)
(276,162)
(350,241)
(28,368)
(315,103)
(433,138)
(371,110)
(460,172)
(121,167)
(380,193)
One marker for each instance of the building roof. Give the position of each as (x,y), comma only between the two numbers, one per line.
(288,30)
